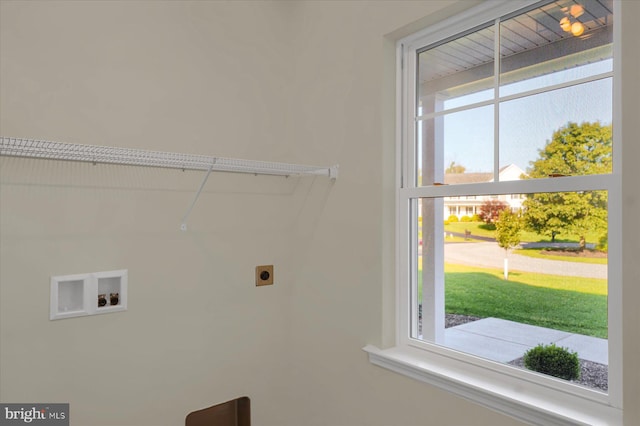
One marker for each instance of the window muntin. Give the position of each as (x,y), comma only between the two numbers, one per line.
(428,194)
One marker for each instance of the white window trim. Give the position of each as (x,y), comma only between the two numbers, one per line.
(527,396)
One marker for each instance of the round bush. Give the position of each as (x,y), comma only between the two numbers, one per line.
(488,226)
(554,361)
(465,219)
(476,218)
(453,218)
(603,243)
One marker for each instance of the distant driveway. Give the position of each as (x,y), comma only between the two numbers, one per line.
(490,255)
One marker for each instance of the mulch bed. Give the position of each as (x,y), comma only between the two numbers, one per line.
(593,375)
(452,320)
(571,252)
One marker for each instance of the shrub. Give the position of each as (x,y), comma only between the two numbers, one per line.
(453,218)
(490,210)
(446,222)
(465,219)
(554,361)
(476,218)
(603,243)
(488,226)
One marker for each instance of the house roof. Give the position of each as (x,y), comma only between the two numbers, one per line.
(459,178)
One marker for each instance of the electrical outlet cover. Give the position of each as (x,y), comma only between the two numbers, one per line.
(264,275)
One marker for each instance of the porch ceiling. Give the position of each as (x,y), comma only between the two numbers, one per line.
(470,58)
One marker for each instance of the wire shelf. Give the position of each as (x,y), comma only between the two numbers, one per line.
(17,147)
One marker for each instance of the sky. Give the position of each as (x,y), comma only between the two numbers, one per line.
(526,124)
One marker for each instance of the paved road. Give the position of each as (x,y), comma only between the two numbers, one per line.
(491,255)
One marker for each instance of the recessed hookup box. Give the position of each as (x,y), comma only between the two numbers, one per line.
(264,275)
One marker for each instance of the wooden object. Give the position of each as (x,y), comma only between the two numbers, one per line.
(236,412)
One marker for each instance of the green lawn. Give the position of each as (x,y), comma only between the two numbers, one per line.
(455,239)
(476,228)
(576,305)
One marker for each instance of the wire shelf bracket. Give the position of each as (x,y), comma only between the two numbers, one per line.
(31,148)
(183,225)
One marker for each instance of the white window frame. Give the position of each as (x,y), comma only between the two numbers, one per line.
(527,396)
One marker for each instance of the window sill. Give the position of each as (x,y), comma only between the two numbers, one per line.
(514,396)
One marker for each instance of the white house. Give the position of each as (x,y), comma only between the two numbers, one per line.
(468,206)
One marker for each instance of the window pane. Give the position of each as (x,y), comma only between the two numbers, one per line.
(456,73)
(456,148)
(561,132)
(550,286)
(538,48)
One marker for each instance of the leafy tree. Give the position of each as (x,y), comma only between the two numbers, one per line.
(508,229)
(490,210)
(583,149)
(455,168)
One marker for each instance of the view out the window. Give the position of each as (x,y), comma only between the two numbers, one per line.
(508,254)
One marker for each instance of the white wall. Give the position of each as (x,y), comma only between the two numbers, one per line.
(308,82)
(337,301)
(200,77)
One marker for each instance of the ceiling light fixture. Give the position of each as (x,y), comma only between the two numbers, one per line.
(576,10)
(570,23)
(577,29)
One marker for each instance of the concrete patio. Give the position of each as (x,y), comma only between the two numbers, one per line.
(503,341)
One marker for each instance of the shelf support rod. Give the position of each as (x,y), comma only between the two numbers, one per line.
(183,226)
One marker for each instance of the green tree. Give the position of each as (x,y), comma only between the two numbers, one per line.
(574,150)
(508,229)
(455,168)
